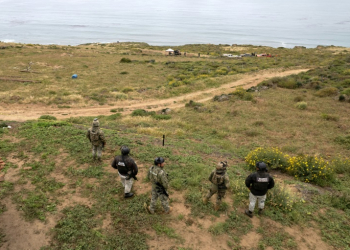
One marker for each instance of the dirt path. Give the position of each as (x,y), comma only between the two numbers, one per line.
(29,112)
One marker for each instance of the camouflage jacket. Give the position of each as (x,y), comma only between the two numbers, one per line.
(223,179)
(96,137)
(158,174)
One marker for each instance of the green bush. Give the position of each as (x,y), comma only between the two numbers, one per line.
(342,98)
(310,169)
(329,117)
(289,83)
(346,91)
(340,165)
(328,91)
(121,96)
(273,157)
(298,99)
(193,104)
(142,112)
(343,140)
(162,117)
(124,73)
(301,105)
(280,198)
(125,60)
(47,117)
(127,90)
(114,116)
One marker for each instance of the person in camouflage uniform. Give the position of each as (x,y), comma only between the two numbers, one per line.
(127,170)
(220,182)
(97,139)
(160,184)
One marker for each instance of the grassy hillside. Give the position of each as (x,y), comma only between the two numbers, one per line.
(52,180)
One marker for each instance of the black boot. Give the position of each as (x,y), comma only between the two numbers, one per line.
(249,213)
(261,211)
(128,195)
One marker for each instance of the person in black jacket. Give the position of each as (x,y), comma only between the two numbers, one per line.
(258,183)
(127,170)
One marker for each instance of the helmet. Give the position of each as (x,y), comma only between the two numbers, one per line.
(96,123)
(158,160)
(261,166)
(124,150)
(222,165)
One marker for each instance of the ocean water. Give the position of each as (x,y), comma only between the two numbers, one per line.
(176,22)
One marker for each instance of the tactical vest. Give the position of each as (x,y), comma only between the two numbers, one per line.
(95,137)
(261,181)
(154,174)
(218,177)
(122,166)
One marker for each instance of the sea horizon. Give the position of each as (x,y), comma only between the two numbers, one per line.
(307,23)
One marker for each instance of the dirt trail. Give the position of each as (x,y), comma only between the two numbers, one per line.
(29,112)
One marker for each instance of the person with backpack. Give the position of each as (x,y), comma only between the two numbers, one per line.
(127,170)
(97,139)
(160,184)
(220,182)
(258,183)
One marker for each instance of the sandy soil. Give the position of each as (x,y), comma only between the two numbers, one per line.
(29,112)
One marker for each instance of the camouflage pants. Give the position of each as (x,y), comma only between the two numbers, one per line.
(220,193)
(163,199)
(97,151)
(252,201)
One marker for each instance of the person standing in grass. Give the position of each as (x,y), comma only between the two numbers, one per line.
(160,184)
(258,183)
(220,182)
(127,170)
(97,139)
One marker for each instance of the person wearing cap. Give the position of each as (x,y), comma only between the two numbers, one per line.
(127,170)
(160,184)
(258,183)
(97,139)
(220,182)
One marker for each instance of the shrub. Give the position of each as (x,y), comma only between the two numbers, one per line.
(127,90)
(289,83)
(114,116)
(298,99)
(142,112)
(330,117)
(243,94)
(280,198)
(341,98)
(162,117)
(121,96)
(340,165)
(310,169)
(193,104)
(47,117)
(125,60)
(301,105)
(240,92)
(273,157)
(346,91)
(343,140)
(328,91)
(124,73)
